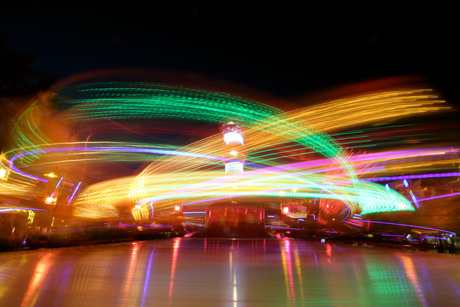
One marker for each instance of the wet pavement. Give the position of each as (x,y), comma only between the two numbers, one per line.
(226,272)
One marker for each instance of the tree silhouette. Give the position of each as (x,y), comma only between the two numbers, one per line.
(16,75)
(18,83)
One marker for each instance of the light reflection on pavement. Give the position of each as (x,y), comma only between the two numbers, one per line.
(226,272)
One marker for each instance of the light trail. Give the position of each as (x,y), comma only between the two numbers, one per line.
(273,139)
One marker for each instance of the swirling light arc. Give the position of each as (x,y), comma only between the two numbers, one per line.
(98,101)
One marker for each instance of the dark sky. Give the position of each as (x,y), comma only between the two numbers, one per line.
(281,48)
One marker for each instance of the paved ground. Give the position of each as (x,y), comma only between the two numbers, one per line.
(219,272)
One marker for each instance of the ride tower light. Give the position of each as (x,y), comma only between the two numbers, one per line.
(234,147)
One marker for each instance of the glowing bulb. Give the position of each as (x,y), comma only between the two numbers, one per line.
(2,173)
(51,175)
(285,210)
(234,153)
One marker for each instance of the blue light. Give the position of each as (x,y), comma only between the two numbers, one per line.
(73,194)
(147,277)
(194,212)
(59,182)
(414,199)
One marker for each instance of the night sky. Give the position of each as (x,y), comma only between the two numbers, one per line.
(284,49)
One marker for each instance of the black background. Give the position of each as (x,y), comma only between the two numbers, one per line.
(284,48)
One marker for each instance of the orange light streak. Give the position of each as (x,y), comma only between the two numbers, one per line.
(38,277)
(131,269)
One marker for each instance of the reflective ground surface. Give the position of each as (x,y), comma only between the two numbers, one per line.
(226,272)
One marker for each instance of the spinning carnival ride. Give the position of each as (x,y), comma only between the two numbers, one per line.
(89,132)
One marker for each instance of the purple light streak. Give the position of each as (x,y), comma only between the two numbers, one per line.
(355,224)
(147,276)
(437,175)
(281,227)
(440,196)
(13,209)
(119,149)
